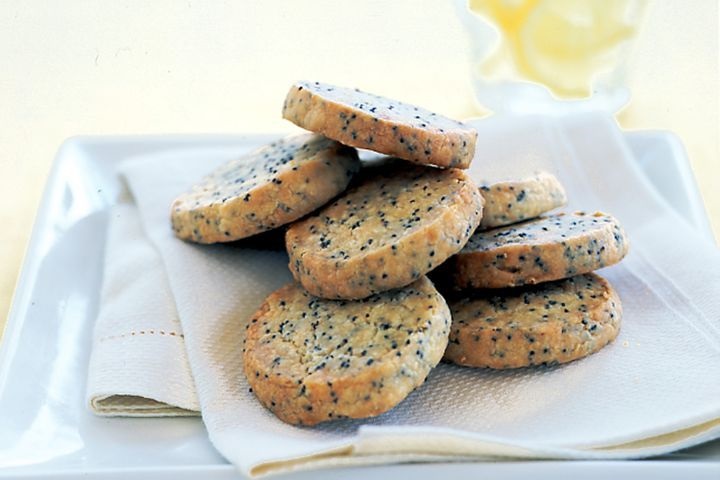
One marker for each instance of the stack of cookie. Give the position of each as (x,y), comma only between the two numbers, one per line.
(363,325)
(521,292)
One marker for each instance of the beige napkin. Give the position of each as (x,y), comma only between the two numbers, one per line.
(138,365)
(654,390)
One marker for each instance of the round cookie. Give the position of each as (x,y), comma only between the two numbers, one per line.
(310,360)
(517,200)
(369,121)
(386,232)
(555,322)
(547,248)
(269,187)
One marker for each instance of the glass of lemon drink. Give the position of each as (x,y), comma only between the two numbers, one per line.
(551,56)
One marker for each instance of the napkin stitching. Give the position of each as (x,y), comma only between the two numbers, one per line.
(141,332)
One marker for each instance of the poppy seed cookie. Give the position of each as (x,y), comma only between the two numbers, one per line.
(517,200)
(310,360)
(386,232)
(555,322)
(269,187)
(548,248)
(364,120)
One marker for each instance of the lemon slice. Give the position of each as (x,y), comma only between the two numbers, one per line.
(566,42)
(562,44)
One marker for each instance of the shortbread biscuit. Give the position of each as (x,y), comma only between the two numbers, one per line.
(516,200)
(386,232)
(555,322)
(309,360)
(265,189)
(548,248)
(365,120)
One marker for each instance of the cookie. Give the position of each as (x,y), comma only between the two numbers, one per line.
(369,121)
(556,322)
(385,233)
(309,360)
(269,187)
(517,200)
(548,248)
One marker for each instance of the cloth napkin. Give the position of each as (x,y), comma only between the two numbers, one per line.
(654,390)
(138,365)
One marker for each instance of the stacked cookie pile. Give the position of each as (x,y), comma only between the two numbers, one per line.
(522,294)
(363,325)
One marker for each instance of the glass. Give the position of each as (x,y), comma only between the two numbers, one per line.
(548,56)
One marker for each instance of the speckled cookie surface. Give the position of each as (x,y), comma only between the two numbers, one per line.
(517,200)
(310,360)
(385,233)
(365,120)
(548,248)
(555,322)
(265,189)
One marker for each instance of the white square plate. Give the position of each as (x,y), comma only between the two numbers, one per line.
(45,427)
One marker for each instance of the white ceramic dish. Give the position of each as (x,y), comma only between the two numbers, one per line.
(45,429)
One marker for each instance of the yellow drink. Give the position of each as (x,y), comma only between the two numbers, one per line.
(561,44)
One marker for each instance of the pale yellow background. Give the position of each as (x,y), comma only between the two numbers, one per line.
(92,67)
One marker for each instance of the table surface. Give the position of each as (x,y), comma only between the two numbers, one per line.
(131,67)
